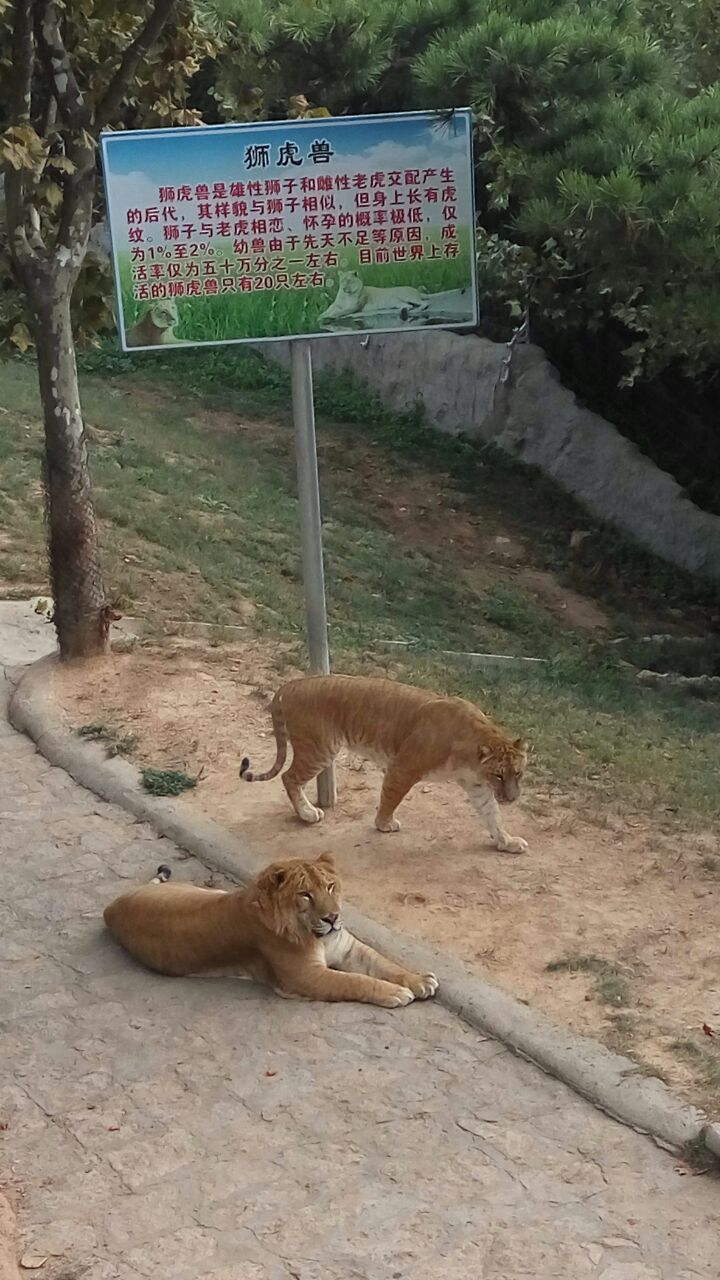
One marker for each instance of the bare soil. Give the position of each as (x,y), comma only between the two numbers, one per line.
(630,909)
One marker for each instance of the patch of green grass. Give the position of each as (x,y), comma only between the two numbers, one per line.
(167,782)
(93,732)
(579,964)
(621,1032)
(707,1061)
(704,1064)
(611,982)
(697,1156)
(513,611)
(613,988)
(116,743)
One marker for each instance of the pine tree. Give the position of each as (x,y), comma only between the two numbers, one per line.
(689,30)
(598,162)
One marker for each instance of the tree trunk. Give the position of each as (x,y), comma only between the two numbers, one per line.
(81,614)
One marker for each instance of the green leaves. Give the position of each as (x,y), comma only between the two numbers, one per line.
(594,148)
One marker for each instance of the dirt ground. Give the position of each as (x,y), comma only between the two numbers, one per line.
(622,906)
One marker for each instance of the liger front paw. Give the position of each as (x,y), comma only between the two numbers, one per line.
(513,844)
(422,985)
(397,997)
(312,815)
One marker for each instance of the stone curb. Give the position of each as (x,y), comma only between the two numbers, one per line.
(608,1080)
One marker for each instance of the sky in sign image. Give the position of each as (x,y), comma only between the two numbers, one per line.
(244,232)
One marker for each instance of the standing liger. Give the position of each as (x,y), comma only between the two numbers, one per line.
(414,733)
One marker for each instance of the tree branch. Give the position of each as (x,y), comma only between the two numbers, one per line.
(23,54)
(34,233)
(111,100)
(23,61)
(46,111)
(76,214)
(20,250)
(70,100)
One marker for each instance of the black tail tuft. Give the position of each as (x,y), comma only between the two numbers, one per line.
(163,874)
(245,769)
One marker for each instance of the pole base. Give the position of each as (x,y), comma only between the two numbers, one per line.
(327,789)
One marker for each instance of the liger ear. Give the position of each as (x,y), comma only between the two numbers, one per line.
(273,877)
(327,860)
(521,744)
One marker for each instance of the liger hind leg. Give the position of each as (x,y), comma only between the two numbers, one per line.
(309,759)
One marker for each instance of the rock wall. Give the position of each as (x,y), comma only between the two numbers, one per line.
(531,415)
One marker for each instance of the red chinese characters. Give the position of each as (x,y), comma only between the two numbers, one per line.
(285,230)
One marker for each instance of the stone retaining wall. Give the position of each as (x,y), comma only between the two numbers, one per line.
(532,415)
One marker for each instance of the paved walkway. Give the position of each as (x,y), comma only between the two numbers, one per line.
(205,1130)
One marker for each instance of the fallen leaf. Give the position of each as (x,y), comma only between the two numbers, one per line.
(271,1073)
(32,1261)
(20,337)
(708,1030)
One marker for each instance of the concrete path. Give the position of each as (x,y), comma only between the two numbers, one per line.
(205,1130)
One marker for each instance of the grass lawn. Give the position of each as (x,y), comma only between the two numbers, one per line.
(192,456)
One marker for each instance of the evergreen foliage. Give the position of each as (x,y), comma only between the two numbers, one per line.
(598,142)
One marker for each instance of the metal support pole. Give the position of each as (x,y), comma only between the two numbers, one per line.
(311,531)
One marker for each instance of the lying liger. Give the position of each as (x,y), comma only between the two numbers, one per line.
(414,733)
(283,929)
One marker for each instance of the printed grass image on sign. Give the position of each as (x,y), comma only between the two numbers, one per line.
(239,233)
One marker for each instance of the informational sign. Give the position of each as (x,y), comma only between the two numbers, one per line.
(301,228)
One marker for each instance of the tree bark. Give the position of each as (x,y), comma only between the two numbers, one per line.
(48,268)
(81,613)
